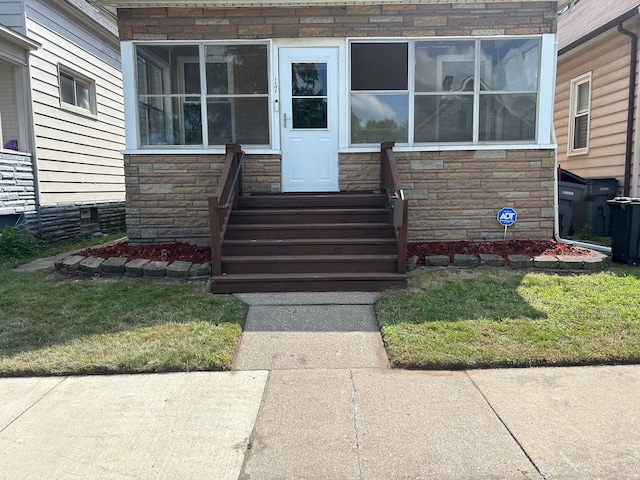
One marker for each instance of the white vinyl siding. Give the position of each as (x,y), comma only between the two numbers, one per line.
(12,15)
(78,155)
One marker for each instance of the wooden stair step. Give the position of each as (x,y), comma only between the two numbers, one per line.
(309,230)
(372,282)
(309,264)
(305,200)
(308,246)
(310,215)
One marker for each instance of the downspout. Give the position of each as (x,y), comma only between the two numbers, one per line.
(630,108)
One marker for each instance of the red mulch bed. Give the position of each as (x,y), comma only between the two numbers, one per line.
(198,254)
(532,248)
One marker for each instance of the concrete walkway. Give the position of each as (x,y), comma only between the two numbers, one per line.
(312,397)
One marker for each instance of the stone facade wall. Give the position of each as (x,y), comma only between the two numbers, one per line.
(167,197)
(17,189)
(453,195)
(419,20)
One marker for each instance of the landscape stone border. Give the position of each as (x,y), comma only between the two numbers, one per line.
(136,267)
(181,270)
(594,261)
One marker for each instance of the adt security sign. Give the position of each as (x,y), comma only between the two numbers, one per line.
(507,216)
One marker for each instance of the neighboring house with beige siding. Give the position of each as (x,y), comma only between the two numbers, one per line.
(62,118)
(596,91)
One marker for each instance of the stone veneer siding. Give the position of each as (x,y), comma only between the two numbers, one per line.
(454,195)
(17,190)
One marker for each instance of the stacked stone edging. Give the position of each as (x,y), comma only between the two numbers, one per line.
(136,267)
(592,262)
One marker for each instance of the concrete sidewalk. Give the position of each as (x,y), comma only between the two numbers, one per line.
(314,399)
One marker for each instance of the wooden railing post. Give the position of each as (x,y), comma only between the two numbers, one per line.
(391,185)
(222,202)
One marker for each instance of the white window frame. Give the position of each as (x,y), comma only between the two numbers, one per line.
(77,78)
(574,114)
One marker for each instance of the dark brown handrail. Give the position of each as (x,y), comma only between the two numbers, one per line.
(220,205)
(391,185)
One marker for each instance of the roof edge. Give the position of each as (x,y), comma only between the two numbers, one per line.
(600,30)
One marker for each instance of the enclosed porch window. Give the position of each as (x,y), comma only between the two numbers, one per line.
(467,91)
(203,95)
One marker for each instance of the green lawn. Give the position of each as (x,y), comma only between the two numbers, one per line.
(50,325)
(487,318)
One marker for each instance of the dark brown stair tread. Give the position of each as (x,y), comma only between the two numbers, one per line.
(308,258)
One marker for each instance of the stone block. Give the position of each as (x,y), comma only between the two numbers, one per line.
(465,260)
(437,261)
(155,269)
(546,262)
(491,260)
(570,262)
(72,263)
(520,261)
(200,270)
(91,265)
(114,265)
(178,269)
(135,266)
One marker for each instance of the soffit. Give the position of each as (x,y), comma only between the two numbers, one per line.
(111,5)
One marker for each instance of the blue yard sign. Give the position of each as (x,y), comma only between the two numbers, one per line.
(507,217)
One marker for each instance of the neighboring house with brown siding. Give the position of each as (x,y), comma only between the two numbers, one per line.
(596,102)
(464,88)
(62,120)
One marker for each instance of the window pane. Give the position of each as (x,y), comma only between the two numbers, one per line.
(219,122)
(444,118)
(508,117)
(443,66)
(67,89)
(510,65)
(191,121)
(191,77)
(83,100)
(218,78)
(251,120)
(247,68)
(379,66)
(580,132)
(308,79)
(583,98)
(154,128)
(379,118)
(309,113)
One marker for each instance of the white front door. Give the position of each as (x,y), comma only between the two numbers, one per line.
(309,119)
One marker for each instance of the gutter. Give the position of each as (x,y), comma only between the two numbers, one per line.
(631,108)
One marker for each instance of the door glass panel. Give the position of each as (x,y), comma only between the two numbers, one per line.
(309,95)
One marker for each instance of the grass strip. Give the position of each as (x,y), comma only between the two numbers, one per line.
(451,319)
(120,325)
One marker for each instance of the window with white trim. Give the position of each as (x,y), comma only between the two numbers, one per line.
(579,114)
(227,85)
(435,91)
(76,91)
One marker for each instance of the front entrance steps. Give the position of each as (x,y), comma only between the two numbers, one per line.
(309,242)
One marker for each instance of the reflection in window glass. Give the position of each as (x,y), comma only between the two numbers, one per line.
(74,91)
(375,117)
(173,101)
(308,79)
(444,66)
(512,65)
(444,118)
(508,117)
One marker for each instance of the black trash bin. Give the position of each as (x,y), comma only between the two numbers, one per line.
(571,188)
(625,232)
(593,210)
